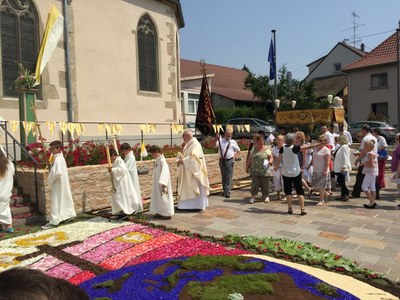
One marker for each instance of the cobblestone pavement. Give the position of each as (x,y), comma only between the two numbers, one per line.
(369,236)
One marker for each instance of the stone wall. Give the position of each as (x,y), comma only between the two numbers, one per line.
(91,185)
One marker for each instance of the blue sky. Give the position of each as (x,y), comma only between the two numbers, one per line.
(234,33)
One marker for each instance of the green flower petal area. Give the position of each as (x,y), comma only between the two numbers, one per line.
(210,277)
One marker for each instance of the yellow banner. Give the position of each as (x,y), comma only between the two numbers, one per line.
(309,116)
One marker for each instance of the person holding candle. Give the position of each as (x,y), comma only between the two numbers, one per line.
(125,200)
(6,184)
(62,204)
(162,201)
(130,161)
(193,184)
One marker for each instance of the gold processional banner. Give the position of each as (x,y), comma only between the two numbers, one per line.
(309,116)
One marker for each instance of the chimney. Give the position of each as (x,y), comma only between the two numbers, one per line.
(363,47)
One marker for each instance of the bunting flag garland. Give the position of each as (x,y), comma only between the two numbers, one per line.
(82,128)
(205,112)
(247,127)
(218,128)
(108,128)
(176,128)
(71,128)
(148,128)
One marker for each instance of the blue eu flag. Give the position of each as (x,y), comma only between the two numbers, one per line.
(271,60)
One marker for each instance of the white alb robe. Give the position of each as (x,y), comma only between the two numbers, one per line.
(162,204)
(193,184)
(62,204)
(130,161)
(6,185)
(125,197)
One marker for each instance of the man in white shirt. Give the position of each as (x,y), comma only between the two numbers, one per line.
(329,135)
(228,151)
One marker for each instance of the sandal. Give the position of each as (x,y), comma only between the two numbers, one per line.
(290,211)
(320,203)
(303,212)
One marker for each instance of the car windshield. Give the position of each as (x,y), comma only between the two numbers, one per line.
(261,122)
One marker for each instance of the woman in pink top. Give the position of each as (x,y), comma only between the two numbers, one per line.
(321,173)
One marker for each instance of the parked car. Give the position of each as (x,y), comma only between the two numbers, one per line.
(256,125)
(387,131)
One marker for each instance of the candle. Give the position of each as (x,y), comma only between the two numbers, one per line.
(115,145)
(108,156)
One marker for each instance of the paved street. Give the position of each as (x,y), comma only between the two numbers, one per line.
(370,237)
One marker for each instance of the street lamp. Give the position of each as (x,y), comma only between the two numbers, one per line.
(293,103)
(330,97)
(277,103)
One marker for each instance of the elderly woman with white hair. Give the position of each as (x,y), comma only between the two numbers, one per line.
(342,166)
(291,171)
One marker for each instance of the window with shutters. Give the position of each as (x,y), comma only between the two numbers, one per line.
(19,40)
(148,55)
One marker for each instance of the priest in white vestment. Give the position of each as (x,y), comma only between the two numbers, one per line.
(62,204)
(193,184)
(130,160)
(125,199)
(162,201)
(6,184)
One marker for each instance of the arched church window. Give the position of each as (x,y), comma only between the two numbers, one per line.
(148,55)
(19,40)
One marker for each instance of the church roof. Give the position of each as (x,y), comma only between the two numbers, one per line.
(226,82)
(178,11)
(385,53)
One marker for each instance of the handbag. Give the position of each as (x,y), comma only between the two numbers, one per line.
(382,154)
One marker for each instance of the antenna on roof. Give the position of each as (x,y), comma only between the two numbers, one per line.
(355,39)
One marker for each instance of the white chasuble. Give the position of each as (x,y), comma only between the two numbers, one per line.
(62,204)
(193,184)
(161,203)
(125,197)
(130,161)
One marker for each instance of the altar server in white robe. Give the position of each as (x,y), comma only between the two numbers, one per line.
(162,201)
(124,199)
(193,184)
(62,204)
(130,160)
(6,184)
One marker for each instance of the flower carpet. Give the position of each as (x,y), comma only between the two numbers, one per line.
(132,261)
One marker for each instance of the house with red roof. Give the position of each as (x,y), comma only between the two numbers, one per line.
(226,87)
(373,83)
(326,71)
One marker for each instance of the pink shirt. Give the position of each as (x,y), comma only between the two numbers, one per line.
(319,160)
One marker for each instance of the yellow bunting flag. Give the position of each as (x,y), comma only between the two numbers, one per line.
(71,128)
(143,127)
(14,126)
(247,127)
(101,128)
(63,127)
(177,128)
(51,126)
(83,129)
(108,128)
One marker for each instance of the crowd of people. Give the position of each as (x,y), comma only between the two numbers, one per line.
(289,160)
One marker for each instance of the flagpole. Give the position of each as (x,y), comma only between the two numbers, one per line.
(70,116)
(275,81)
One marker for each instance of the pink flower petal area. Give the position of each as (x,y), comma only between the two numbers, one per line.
(46,263)
(184,247)
(121,259)
(64,271)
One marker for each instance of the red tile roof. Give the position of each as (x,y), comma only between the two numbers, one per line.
(385,53)
(227,82)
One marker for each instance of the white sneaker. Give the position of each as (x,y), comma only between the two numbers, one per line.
(266,200)
(251,200)
(48,226)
